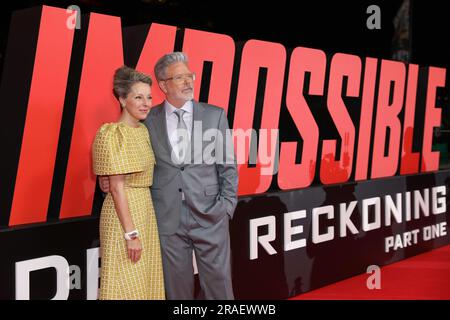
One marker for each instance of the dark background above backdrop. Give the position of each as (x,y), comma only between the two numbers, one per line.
(330,26)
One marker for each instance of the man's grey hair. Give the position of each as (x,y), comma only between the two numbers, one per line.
(165,61)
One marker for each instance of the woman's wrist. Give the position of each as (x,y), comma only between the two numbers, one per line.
(131,235)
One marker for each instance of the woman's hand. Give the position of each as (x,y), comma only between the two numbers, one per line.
(117,188)
(134,249)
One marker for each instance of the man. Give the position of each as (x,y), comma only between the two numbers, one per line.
(195,184)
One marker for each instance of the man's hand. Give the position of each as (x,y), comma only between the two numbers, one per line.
(104,183)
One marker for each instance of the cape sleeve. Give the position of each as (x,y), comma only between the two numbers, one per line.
(114,152)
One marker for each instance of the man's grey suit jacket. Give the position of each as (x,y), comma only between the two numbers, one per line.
(209,179)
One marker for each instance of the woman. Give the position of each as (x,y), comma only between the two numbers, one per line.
(130,249)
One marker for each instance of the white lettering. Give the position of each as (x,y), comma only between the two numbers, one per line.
(289,230)
(264,240)
(23,269)
(366,226)
(439,203)
(317,212)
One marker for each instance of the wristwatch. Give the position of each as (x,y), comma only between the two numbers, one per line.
(131,235)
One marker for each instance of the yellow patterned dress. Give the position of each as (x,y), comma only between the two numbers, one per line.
(121,149)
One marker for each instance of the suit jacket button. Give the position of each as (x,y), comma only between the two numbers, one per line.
(182,168)
(179,189)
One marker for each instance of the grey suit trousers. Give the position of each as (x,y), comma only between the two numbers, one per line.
(212,255)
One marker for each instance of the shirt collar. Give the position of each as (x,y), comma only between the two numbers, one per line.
(187,106)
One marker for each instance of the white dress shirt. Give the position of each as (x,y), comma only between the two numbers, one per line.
(172,121)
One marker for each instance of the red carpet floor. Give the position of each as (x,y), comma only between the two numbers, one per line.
(425,276)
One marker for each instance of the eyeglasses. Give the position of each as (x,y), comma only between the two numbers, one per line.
(180,78)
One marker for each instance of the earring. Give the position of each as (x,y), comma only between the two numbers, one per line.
(122,105)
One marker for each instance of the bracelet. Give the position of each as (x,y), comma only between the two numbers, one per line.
(131,235)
